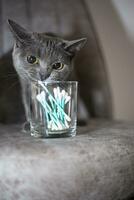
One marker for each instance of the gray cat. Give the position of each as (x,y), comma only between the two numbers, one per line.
(41,56)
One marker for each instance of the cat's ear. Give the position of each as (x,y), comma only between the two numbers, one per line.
(75,45)
(19,33)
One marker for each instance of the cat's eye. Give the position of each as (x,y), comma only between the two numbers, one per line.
(32,59)
(58,66)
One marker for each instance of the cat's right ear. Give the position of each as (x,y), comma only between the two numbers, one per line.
(20,34)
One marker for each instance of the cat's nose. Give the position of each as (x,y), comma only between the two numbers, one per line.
(43,76)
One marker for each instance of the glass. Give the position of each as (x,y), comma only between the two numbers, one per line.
(53,108)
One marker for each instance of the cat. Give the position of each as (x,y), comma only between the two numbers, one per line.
(41,56)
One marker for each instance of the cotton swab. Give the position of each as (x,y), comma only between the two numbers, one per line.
(54,107)
(68,118)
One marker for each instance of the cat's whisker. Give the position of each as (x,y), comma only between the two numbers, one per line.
(11,73)
(8,76)
(23,74)
(11,86)
(33,74)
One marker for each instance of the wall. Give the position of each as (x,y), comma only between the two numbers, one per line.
(125,10)
(116,39)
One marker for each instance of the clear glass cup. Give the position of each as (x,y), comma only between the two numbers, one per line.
(53,109)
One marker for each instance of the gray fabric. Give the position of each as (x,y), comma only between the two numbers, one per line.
(97,164)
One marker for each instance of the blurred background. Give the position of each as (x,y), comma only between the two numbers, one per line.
(105,67)
(114,24)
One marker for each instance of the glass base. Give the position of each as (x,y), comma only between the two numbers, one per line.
(60,134)
(39,131)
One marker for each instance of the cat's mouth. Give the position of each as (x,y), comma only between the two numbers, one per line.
(51,79)
(48,79)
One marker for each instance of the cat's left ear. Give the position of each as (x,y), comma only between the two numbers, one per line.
(20,34)
(75,45)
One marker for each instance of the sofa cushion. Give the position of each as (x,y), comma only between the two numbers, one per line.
(97,164)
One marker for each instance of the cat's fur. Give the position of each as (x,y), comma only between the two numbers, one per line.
(49,49)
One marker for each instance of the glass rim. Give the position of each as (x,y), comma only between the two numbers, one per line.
(51,82)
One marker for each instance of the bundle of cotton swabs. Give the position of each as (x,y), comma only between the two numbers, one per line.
(54,107)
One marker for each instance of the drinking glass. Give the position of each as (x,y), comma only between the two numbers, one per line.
(53,108)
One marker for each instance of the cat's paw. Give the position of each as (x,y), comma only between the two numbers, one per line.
(26,127)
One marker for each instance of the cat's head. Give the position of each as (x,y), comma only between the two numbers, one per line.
(39,56)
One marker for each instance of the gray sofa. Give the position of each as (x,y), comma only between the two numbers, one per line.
(97,164)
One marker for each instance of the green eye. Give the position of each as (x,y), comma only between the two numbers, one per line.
(58,66)
(32,60)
